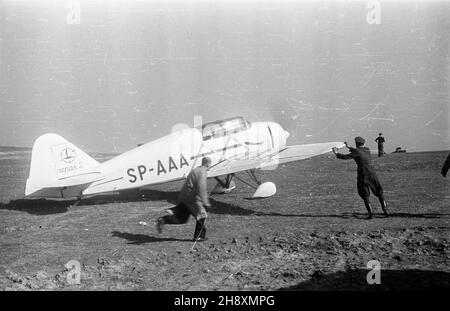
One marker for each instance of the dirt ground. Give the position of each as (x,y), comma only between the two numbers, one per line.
(312,235)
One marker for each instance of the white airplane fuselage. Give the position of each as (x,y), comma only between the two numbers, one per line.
(173,156)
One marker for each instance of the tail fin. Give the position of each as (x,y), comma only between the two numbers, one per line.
(57,163)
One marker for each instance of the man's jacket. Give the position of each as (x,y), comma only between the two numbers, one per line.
(194,189)
(362,157)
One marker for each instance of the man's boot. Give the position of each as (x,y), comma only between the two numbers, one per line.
(203,231)
(383,206)
(369,208)
(200,230)
(160,224)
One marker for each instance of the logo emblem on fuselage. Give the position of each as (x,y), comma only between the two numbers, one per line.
(68,155)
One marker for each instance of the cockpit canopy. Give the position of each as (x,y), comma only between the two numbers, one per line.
(225,127)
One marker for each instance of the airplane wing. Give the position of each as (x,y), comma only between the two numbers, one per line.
(301,152)
(270,160)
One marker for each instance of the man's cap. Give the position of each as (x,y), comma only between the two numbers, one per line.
(359,140)
(206,161)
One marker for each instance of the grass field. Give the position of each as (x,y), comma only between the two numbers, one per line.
(311,235)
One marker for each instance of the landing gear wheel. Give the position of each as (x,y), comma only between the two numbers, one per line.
(224,187)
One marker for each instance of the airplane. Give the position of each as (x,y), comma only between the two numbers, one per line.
(59,169)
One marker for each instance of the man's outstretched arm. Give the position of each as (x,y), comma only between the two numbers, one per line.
(344,156)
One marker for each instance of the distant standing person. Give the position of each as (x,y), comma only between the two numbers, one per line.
(380,141)
(193,200)
(367,179)
(446,166)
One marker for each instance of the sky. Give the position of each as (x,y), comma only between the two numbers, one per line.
(108,75)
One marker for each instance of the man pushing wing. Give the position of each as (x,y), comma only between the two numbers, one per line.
(367,179)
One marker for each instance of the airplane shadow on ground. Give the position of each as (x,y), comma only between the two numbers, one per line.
(356,215)
(55,206)
(38,206)
(219,208)
(216,208)
(356,279)
(138,239)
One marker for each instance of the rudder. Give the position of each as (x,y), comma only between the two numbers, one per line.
(56,162)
